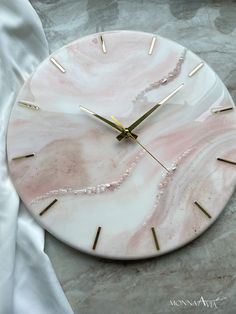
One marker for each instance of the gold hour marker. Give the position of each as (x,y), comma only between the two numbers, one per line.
(96,238)
(196,69)
(23,156)
(47,208)
(202,209)
(217,110)
(152,45)
(58,65)
(28,105)
(228,161)
(155,238)
(103,44)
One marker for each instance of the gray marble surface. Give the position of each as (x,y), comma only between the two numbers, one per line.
(207,266)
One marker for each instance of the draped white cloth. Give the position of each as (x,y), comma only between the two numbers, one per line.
(28,284)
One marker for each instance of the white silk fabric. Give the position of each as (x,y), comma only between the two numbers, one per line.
(28,284)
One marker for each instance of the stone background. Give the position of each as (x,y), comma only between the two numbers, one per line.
(207,266)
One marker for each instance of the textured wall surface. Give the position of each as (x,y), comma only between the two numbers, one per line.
(206,267)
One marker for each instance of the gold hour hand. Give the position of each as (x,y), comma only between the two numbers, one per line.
(112,124)
(150,111)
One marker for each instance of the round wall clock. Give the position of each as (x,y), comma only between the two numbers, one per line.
(122,145)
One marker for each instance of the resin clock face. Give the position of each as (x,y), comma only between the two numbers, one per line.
(103,173)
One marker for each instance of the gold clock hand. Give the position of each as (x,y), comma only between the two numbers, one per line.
(101,118)
(160,163)
(147,114)
(114,125)
(129,135)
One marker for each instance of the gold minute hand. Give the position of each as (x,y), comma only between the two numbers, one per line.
(150,111)
(136,141)
(112,124)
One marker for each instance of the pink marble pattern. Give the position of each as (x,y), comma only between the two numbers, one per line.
(99,181)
